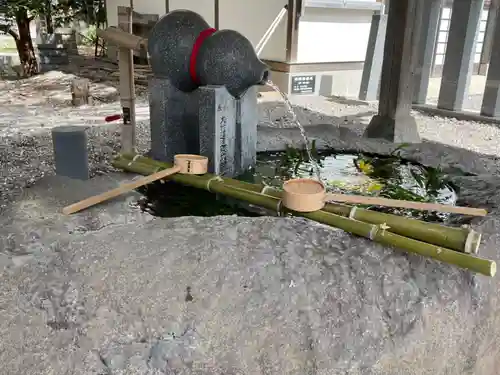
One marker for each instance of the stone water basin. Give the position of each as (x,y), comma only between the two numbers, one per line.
(389,177)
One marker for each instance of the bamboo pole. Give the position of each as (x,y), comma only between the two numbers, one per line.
(459,239)
(122,189)
(376,233)
(122,38)
(377,201)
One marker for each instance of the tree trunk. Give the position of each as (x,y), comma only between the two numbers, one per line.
(24,44)
(48,17)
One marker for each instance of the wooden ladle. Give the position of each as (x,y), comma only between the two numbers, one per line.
(183,163)
(307,195)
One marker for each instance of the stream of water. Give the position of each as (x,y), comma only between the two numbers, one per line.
(292,113)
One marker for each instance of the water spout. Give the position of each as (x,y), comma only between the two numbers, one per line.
(296,121)
(264,78)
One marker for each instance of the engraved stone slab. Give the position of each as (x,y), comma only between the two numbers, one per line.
(217,124)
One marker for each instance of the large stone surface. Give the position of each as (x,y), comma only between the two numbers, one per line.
(115,291)
(106,289)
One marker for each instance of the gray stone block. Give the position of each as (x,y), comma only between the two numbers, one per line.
(217,124)
(246,127)
(70,152)
(174,120)
(208,121)
(52,54)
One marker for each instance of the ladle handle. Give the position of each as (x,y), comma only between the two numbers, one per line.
(122,189)
(376,201)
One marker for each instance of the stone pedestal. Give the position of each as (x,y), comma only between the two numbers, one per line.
(248,119)
(217,129)
(174,121)
(208,121)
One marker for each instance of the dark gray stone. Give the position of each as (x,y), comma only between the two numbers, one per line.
(205,121)
(268,296)
(459,56)
(214,113)
(70,152)
(246,127)
(173,119)
(225,58)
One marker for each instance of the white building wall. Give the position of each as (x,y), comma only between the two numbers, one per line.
(252,18)
(140,6)
(204,8)
(333,35)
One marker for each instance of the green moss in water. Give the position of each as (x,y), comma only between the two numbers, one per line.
(361,174)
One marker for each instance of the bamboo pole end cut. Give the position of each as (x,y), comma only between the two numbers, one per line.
(493,269)
(472,242)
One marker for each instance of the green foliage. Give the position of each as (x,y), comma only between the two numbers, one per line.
(11,8)
(90,36)
(62,11)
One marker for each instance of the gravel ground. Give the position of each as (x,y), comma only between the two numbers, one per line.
(31,107)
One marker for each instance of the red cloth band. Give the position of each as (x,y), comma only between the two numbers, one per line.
(112,118)
(194,54)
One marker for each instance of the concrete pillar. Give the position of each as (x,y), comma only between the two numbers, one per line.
(372,69)
(459,58)
(394,121)
(426,49)
(491,98)
(488,37)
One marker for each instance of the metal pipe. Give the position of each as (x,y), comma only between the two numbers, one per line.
(270,31)
(216,14)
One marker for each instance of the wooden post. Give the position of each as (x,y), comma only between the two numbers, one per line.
(80,91)
(394,121)
(127,91)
